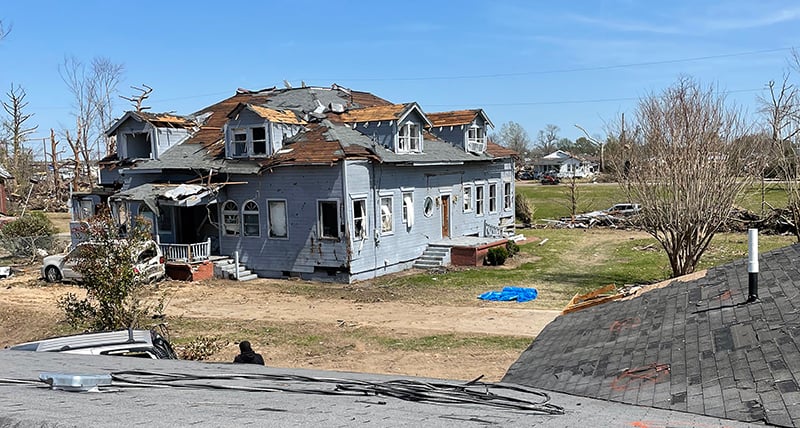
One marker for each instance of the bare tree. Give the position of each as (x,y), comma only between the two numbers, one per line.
(547,139)
(781,109)
(17,158)
(513,136)
(93,90)
(682,159)
(106,76)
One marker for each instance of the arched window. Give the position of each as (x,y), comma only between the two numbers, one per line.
(230,218)
(250,219)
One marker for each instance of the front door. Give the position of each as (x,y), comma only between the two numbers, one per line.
(445,216)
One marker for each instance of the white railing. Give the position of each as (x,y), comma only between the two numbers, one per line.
(476,145)
(491,230)
(188,253)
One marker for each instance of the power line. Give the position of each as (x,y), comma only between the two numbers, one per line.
(569,70)
(589,101)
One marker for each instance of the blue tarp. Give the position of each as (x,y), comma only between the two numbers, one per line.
(520,294)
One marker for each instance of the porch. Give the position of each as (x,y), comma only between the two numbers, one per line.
(187,253)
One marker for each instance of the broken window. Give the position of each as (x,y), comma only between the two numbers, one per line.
(277,219)
(428,207)
(408,209)
(359,219)
(137,145)
(409,138)
(386,214)
(259,141)
(508,196)
(165,219)
(479,200)
(492,197)
(239,142)
(230,218)
(328,219)
(467,198)
(250,219)
(476,142)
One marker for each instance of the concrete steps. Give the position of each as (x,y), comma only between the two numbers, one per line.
(226,268)
(434,256)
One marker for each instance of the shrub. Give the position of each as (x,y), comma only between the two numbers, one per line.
(32,224)
(496,256)
(512,247)
(24,235)
(524,209)
(200,348)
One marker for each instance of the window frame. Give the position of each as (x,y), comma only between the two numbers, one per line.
(245,213)
(467,197)
(321,222)
(390,198)
(407,210)
(364,219)
(409,138)
(492,199)
(476,143)
(226,213)
(270,234)
(508,196)
(248,143)
(480,196)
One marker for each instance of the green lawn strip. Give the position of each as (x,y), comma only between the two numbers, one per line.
(315,339)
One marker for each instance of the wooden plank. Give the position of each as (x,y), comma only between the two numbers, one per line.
(593,298)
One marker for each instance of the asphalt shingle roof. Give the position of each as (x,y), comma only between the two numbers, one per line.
(690,346)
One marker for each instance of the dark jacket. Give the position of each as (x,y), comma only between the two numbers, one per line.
(249,358)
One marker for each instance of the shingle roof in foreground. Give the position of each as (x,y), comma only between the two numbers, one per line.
(691,346)
(33,404)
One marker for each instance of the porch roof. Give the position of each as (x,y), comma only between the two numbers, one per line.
(181,195)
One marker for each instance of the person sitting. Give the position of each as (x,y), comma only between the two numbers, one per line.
(247,355)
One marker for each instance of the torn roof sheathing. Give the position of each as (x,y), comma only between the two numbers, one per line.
(186,195)
(457,117)
(272,115)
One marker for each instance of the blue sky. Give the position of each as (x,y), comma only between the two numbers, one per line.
(531,62)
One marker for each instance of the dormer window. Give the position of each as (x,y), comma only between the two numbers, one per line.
(476,139)
(410,139)
(249,141)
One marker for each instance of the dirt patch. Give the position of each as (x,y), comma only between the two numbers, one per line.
(360,328)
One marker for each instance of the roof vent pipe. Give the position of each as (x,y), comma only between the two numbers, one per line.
(752,265)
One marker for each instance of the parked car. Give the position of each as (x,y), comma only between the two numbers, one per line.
(525,175)
(148,262)
(624,209)
(549,179)
(126,343)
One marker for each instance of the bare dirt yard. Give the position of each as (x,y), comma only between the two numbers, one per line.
(366,327)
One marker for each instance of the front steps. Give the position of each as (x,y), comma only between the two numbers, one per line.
(226,268)
(434,256)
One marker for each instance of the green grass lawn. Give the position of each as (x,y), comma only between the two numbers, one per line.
(553,202)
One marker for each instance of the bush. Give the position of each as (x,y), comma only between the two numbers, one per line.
(512,247)
(32,224)
(23,236)
(524,209)
(200,348)
(496,256)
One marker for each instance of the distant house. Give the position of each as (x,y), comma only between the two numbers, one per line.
(314,182)
(565,164)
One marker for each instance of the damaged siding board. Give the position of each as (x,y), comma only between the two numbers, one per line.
(382,133)
(167,138)
(127,148)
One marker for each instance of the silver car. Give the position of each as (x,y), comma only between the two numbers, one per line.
(149,262)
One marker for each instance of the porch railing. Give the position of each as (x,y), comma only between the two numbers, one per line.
(491,230)
(189,253)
